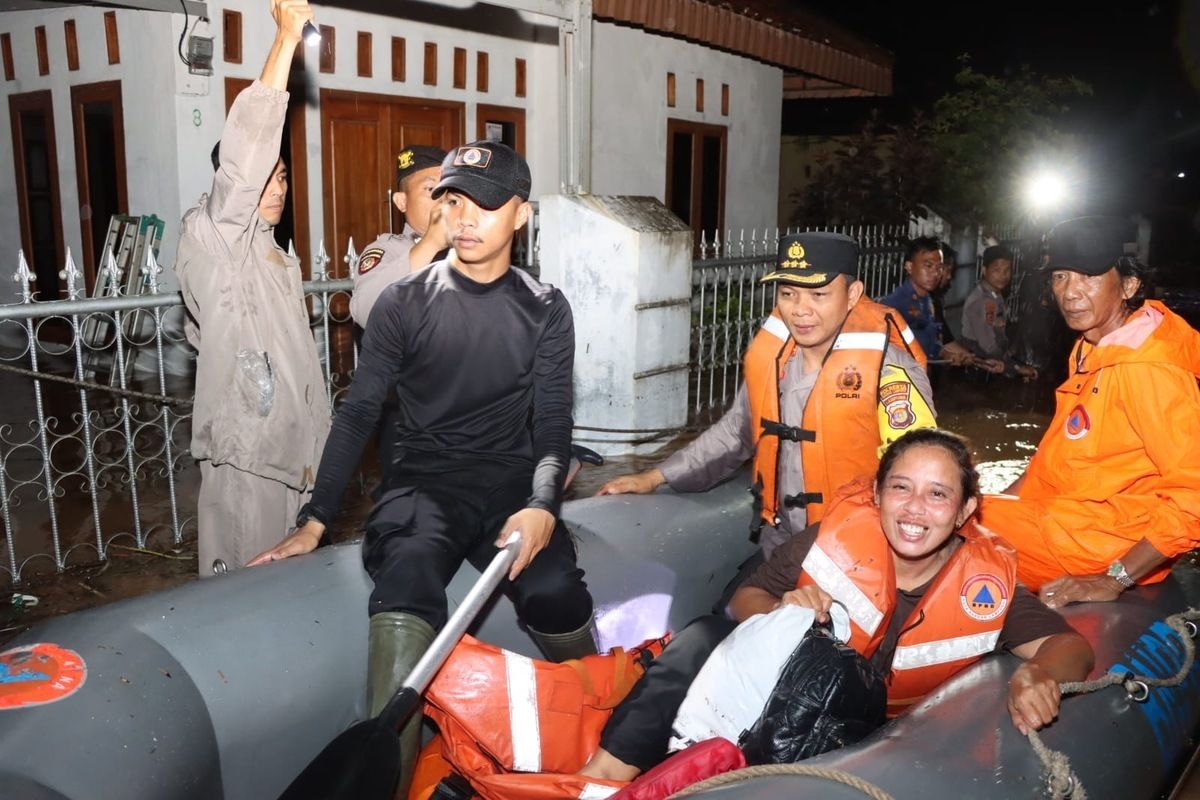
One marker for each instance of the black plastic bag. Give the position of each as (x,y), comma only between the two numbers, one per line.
(827,696)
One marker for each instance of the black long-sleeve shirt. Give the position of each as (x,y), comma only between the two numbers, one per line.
(481,371)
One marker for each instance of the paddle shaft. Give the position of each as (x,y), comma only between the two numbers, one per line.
(401,706)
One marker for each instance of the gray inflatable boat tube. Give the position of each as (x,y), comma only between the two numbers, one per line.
(228,687)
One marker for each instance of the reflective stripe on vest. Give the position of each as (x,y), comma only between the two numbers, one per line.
(928,654)
(777,328)
(822,569)
(861,340)
(523,713)
(592,791)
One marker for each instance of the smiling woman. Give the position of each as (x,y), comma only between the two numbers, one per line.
(928,593)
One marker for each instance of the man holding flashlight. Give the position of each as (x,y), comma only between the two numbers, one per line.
(261,414)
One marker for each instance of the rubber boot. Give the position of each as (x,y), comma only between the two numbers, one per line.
(566,646)
(397,642)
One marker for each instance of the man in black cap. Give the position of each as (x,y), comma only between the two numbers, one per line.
(830,378)
(392,256)
(481,357)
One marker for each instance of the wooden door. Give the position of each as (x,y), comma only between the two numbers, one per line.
(99,165)
(361,134)
(36,176)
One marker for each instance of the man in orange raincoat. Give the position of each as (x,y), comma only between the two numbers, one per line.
(1112,496)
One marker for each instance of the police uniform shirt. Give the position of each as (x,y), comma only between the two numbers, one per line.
(383,263)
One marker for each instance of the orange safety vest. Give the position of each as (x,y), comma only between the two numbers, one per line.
(839,434)
(957,622)
(517,727)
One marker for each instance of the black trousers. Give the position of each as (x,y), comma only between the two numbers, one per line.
(640,727)
(435,514)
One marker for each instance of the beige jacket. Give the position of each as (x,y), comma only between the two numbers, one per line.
(260,391)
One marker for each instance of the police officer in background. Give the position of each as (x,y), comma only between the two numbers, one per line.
(389,258)
(423,240)
(829,378)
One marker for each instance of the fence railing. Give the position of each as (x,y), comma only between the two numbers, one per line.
(729,304)
(96,424)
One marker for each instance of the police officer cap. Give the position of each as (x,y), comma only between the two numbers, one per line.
(490,173)
(417,157)
(1091,245)
(814,259)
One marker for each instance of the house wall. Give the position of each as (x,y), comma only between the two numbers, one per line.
(147,84)
(173,118)
(630,113)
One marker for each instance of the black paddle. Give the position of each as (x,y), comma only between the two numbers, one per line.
(363,762)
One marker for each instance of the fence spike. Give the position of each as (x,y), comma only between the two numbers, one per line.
(319,263)
(23,276)
(71,274)
(351,258)
(151,270)
(114,272)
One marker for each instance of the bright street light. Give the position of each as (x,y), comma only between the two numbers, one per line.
(1045,191)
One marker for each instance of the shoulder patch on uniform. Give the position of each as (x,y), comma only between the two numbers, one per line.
(368,259)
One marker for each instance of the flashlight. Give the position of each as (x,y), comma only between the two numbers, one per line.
(312,36)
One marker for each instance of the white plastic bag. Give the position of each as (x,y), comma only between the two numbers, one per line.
(732,688)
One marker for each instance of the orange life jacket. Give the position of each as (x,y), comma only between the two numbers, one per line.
(517,727)
(839,434)
(957,621)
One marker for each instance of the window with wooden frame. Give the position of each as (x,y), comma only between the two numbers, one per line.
(695,192)
(501,124)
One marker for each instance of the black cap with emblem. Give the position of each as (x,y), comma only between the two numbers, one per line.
(1091,245)
(814,259)
(416,158)
(490,173)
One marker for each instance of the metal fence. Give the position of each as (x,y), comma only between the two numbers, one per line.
(729,304)
(96,421)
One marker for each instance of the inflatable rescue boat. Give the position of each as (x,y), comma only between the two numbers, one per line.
(229,687)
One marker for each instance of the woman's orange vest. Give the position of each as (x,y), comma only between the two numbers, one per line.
(839,435)
(517,727)
(957,621)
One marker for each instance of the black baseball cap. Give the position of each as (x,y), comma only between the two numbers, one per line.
(1091,245)
(490,173)
(417,157)
(814,259)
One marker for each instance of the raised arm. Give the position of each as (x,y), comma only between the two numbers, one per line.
(250,140)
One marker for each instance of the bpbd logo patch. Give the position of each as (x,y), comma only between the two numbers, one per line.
(984,597)
(1078,423)
(39,673)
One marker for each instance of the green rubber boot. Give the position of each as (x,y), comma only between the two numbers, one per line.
(566,646)
(397,642)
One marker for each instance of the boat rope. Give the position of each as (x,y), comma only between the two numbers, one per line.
(765,770)
(1062,782)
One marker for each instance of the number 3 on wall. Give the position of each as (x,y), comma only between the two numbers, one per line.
(196,117)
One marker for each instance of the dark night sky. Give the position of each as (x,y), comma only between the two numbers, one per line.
(1140,127)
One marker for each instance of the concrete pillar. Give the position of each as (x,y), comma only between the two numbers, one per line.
(625,264)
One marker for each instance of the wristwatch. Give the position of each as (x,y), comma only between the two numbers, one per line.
(1118,573)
